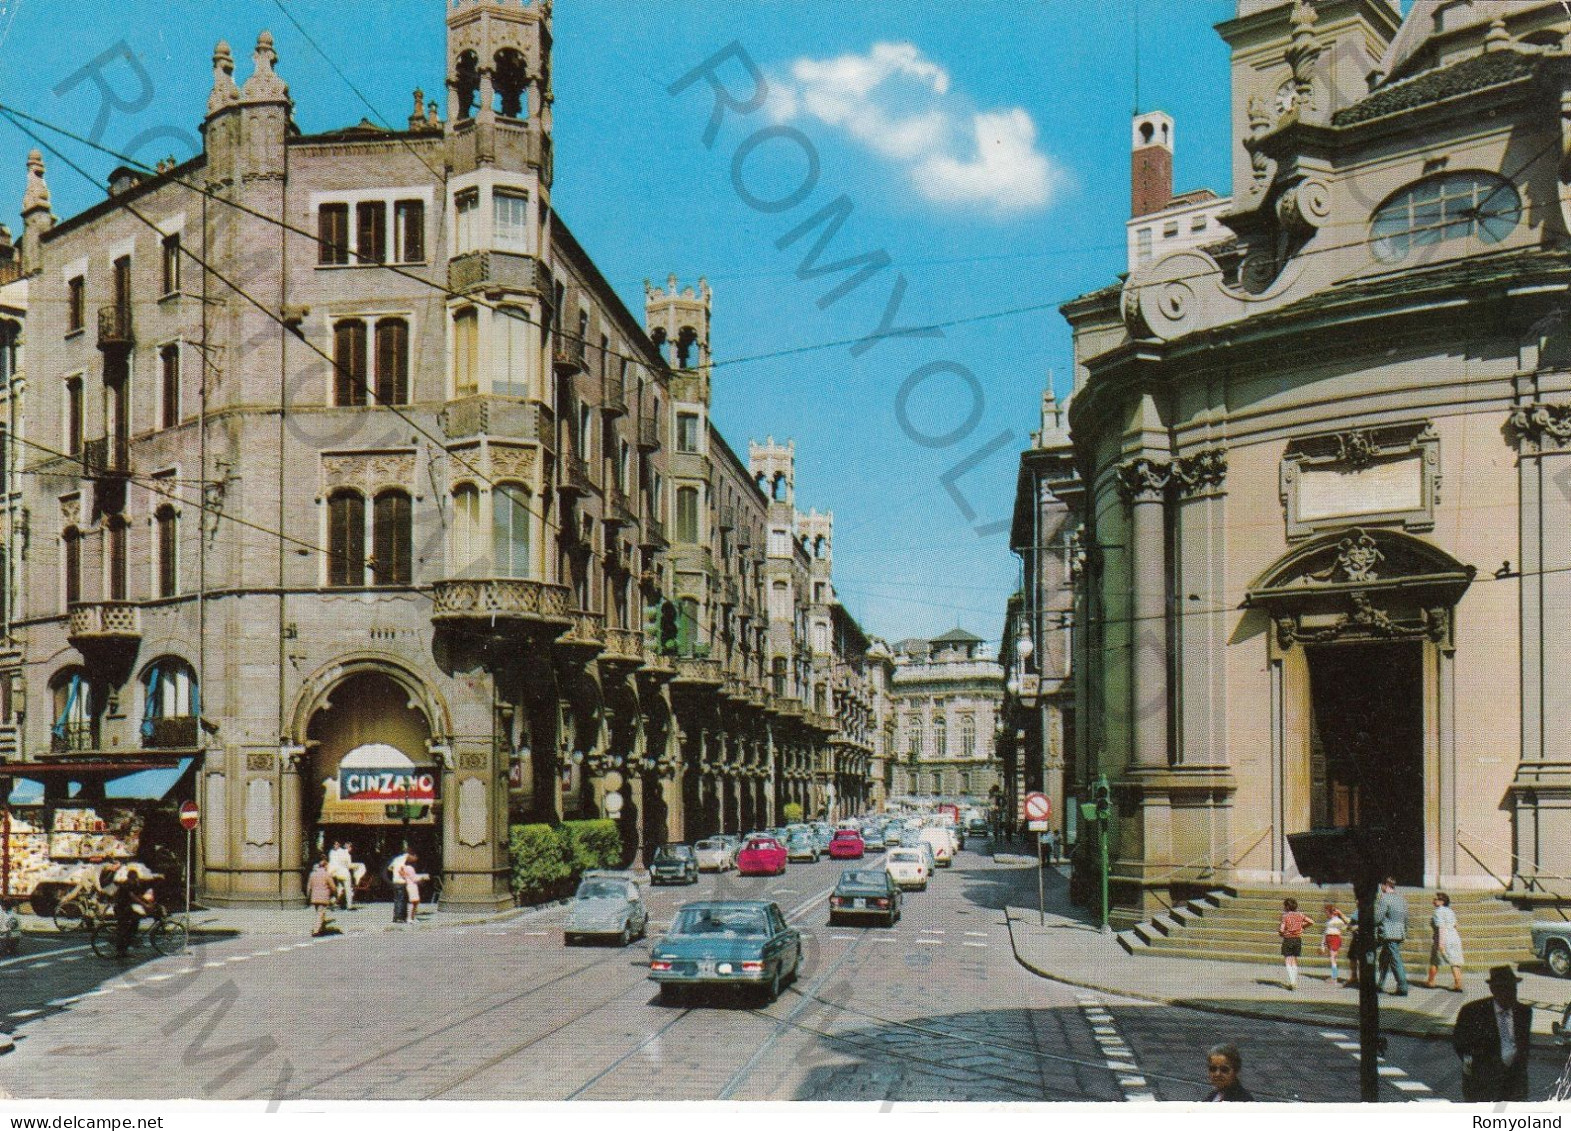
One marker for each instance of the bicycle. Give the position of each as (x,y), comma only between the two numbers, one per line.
(81,911)
(167,936)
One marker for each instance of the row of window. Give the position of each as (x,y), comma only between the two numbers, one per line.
(168,687)
(368,238)
(943,747)
(117,402)
(76,286)
(166,560)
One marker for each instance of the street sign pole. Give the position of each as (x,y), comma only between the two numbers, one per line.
(190,815)
(1041,893)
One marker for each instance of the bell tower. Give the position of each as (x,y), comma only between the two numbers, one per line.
(499,85)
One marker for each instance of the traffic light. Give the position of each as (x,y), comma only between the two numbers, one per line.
(1103,797)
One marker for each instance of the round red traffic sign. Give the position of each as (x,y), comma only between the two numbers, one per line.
(189,815)
(1038,806)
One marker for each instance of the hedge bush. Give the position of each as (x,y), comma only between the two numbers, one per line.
(548,860)
(540,867)
(590,844)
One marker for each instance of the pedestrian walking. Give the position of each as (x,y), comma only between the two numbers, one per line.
(395,868)
(1224,1063)
(1390,933)
(321,891)
(411,877)
(1445,947)
(1492,1036)
(1291,930)
(10,930)
(1331,936)
(345,872)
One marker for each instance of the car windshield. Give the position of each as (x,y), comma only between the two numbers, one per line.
(763,842)
(672,852)
(801,838)
(732,922)
(862,879)
(905,856)
(709,845)
(847,834)
(602,889)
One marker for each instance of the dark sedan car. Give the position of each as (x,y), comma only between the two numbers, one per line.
(733,943)
(865,893)
(674,864)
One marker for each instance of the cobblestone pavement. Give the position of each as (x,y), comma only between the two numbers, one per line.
(934,1009)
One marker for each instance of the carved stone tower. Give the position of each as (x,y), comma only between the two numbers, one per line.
(677,320)
(499,86)
(773,467)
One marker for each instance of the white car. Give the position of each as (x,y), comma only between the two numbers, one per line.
(908,867)
(942,842)
(714,855)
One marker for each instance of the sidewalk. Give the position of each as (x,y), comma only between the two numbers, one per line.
(1070,948)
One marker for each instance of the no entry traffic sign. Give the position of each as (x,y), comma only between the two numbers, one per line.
(190,816)
(1038,807)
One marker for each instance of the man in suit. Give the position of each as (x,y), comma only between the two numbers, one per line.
(1492,1036)
(1390,932)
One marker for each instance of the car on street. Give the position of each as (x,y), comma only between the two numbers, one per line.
(847,845)
(714,855)
(942,842)
(865,893)
(823,834)
(977,826)
(894,834)
(873,839)
(1552,943)
(908,868)
(733,943)
(762,856)
(801,846)
(674,864)
(606,906)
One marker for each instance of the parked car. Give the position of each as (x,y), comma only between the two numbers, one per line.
(942,842)
(873,839)
(674,864)
(733,943)
(908,868)
(606,906)
(802,846)
(762,856)
(714,855)
(1552,943)
(863,893)
(847,845)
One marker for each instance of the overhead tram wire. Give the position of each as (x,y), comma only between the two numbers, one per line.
(508,311)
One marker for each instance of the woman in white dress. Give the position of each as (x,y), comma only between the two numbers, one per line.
(1446,949)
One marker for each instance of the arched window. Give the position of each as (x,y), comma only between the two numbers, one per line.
(510,531)
(392,361)
(469,548)
(345,539)
(71,546)
(777,674)
(515,355)
(115,557)
(391,539)
(75,726)
(349,364)
(466,352)
(780,601)
(687,514)
(167,522)
(968,747)
(941,737)
(1448,207)
(171,704)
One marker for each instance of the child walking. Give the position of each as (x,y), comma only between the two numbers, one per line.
(1331,939)
(1291,928)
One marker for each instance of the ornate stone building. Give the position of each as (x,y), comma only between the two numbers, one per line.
(946,695)
(1326,576)
(350,489)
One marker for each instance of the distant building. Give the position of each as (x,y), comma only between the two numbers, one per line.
(945,695)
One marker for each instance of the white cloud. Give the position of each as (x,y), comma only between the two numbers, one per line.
(898,104)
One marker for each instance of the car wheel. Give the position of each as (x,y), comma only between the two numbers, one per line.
(775,986)
(1559,958)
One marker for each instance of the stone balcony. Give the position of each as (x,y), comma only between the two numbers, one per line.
(567,353)
(649,435)
(573,477)
(499,270)
(695,672)
(107,457)
(500,417)
(620,510)
(510,602)
(585,637)
(623,646)
(613,398)
(177,732)
(99,623)
(654,537)
(114,327)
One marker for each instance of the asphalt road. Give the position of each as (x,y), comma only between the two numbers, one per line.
(933,1009)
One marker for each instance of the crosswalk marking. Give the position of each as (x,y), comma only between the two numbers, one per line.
(23,1014)
(1390,1073)
(978,945)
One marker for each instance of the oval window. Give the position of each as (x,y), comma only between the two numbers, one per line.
(1445,208)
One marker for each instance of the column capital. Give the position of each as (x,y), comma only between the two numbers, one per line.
(1541,427)
(1144,480)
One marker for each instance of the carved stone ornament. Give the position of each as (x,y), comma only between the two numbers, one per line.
(1541,427)
(510,462)
(1357,559)
(368,472)
(1305,207)
(71,510)
(1366,621)
(1200,472)
(1144,480)
(1303,52)
(1148,480)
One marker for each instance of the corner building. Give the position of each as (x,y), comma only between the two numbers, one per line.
(342,459)
(1326,572)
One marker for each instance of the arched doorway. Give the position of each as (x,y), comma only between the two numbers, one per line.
(372,780)
(1361,649)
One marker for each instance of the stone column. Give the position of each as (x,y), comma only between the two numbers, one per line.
(1144,484)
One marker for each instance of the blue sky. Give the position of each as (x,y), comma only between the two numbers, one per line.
(899,100)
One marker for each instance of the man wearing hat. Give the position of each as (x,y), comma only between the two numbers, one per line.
(1492,1036)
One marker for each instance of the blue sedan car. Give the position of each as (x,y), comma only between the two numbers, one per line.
(734,943)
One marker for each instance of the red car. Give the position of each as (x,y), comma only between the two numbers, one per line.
(847,845)
(761,856)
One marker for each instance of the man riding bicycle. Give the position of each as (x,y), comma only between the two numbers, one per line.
(131,903)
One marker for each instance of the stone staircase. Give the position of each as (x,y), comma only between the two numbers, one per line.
(1239,925)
